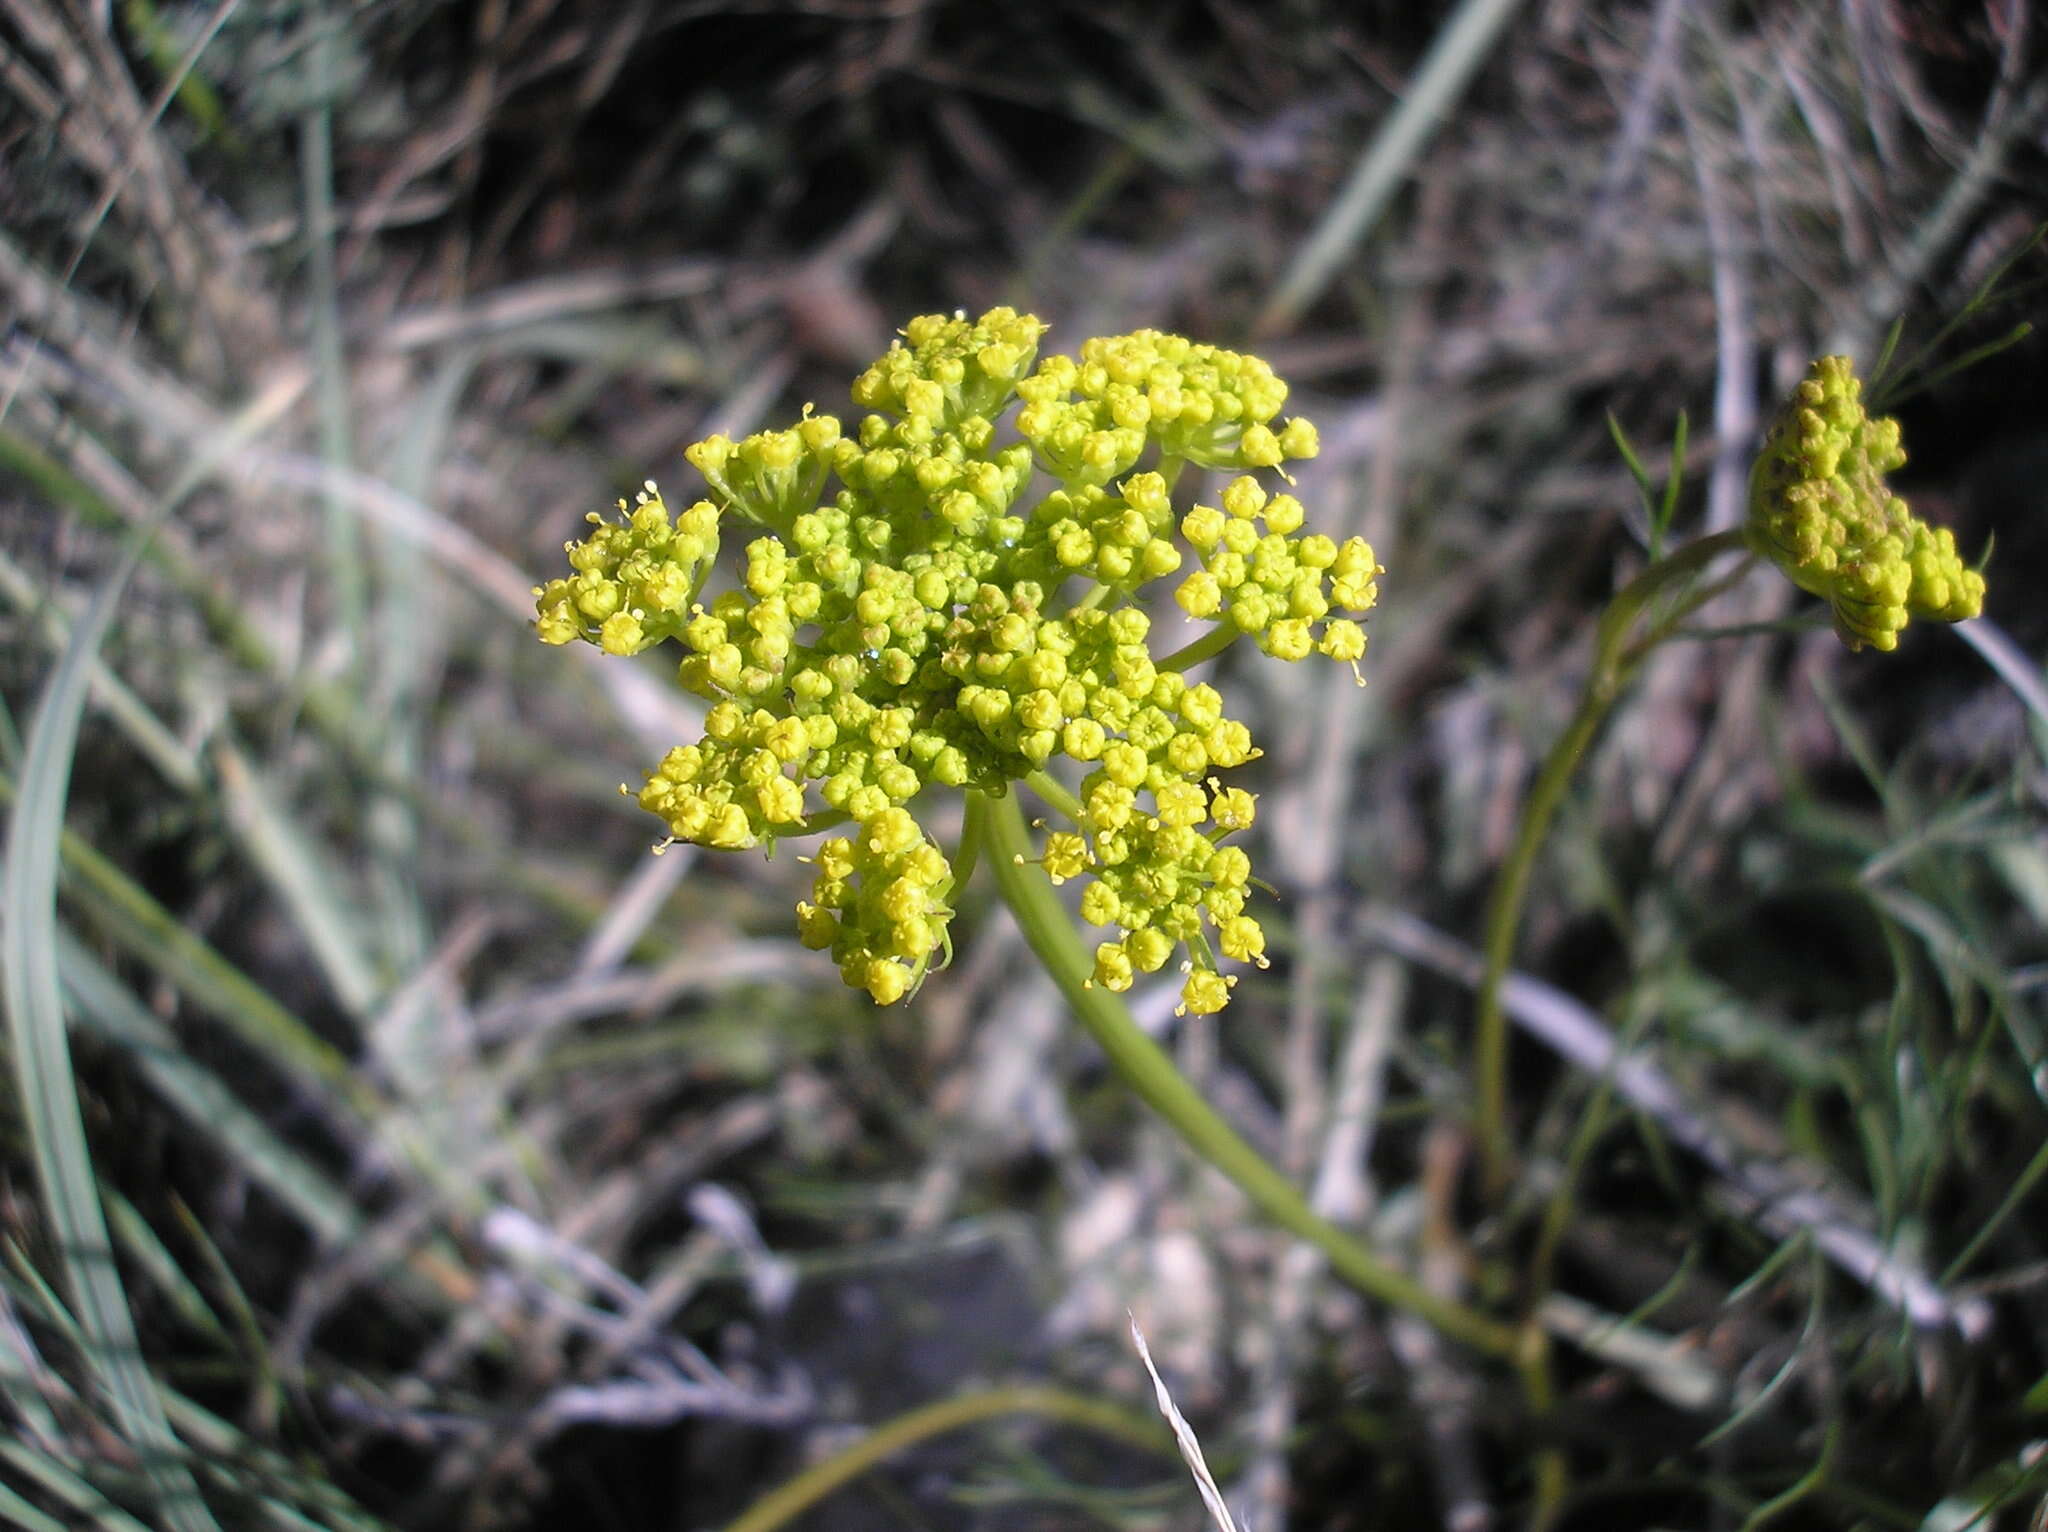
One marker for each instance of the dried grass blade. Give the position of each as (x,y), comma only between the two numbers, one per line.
(1184,1438)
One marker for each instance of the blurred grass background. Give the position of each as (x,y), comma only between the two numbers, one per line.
(464,1166)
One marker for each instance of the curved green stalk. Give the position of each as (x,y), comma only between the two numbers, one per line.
(1089,599)
(1146,1068)
(782,1505)
(1614,661)
(1056,793)
(1208,646)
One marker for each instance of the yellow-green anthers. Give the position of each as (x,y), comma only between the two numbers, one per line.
(933,601)
(1820,510)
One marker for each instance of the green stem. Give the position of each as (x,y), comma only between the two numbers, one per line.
(1094,596)
(1055,793)
(966,855)
(1208,646)
(1147,1069)
(782,1505)
(1614,660)
(824,819)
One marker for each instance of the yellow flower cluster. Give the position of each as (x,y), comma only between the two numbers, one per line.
(880,904)
(1276,587)
(1819,509)
(634,582)
(1093,418)
(911,617)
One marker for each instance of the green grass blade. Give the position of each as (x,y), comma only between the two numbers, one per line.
(17,1512)
(43,1073)
(151,933)
(268,1476)
(87,1505)
(1631,459)
(1464,43)
(156,743)
(1674,485)
(407,642)
(160,1268)
(24,1375)
(307,883)
(2015,1197)
(199,1096)
(316,169)
(193,91)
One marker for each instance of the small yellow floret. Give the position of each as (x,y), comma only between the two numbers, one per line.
(1066,856)
(1205,993)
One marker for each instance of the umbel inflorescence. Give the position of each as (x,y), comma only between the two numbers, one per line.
(1820,510)
(948,595)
